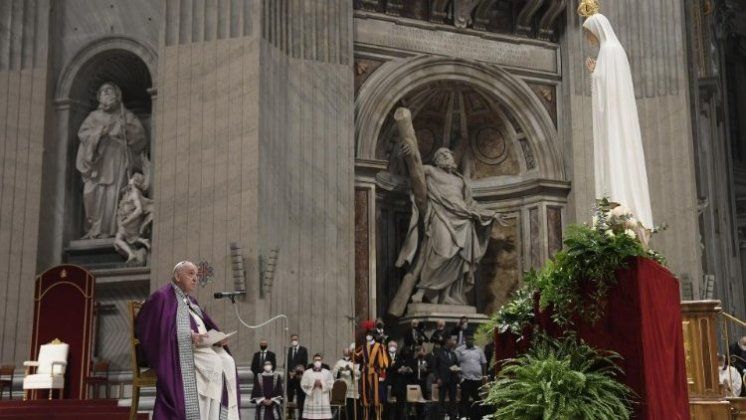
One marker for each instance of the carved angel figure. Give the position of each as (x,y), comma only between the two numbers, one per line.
(135,217)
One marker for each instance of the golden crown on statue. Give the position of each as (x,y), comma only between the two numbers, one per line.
(588,8)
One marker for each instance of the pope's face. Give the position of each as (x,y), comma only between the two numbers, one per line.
(186,279)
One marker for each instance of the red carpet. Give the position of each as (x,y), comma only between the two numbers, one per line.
(65,410)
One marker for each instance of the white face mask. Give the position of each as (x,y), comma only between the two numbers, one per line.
(369,338)
(317,364)
(294,343)
(392,349)
(268,368)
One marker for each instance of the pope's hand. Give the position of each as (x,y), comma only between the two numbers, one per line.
(590,63)
(197,338)
(406,149)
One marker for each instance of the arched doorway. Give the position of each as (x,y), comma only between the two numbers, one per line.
(511,156)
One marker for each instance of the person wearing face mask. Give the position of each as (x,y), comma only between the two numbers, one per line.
(415,336)
(257,362)
(380,335)
(473,365)
(421,365)
(345,369)
(317,384)
(372,357)
(440,334)
(267,393)
(460,331)
(297,359)
(397,377)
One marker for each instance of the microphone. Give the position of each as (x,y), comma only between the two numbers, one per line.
(232,295)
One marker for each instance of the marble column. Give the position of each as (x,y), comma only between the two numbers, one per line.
(24,34)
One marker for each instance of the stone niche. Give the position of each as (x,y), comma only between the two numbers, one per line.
(131,75)
(130,66)
(508,163)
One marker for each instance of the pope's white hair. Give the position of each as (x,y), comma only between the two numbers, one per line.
(178,267)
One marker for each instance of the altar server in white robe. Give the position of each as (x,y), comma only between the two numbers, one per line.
(317,384)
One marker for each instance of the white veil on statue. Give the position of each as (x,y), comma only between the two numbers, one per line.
(617,144)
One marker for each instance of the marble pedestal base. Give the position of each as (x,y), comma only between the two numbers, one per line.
(429,312)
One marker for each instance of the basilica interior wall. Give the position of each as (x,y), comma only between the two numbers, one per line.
(206,151)
(24,86)
(306,178)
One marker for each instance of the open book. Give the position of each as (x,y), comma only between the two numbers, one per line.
(215,336)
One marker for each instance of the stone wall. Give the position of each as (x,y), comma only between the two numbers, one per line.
(205,149)
(306,166)
(24,85)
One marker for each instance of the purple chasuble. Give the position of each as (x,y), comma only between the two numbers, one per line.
(156,328)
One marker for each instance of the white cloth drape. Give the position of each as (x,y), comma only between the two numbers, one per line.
(617,144)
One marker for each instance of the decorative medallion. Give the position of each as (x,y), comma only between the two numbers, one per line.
(205,273)
(490,146)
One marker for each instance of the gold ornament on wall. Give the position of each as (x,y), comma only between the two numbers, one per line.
(588,8)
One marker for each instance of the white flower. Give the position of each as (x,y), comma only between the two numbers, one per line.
(630,233)
(621,211)
(594,221)
(610,233)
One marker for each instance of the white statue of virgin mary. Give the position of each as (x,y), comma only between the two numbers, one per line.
(619,158)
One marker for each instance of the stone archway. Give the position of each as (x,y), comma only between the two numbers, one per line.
(385,88)
(534,196)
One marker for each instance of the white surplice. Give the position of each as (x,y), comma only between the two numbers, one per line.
(619,159)
(211,363)
(317,405)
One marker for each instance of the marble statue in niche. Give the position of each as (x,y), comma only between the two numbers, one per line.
(112,139)
(448,232)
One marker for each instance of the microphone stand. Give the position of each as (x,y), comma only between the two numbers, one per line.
(284,346)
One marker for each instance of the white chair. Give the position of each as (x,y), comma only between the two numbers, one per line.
(50,369)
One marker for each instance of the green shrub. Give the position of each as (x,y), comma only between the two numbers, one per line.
(559,379)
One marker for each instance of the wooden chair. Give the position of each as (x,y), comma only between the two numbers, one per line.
(140,379)
(338,398)
(99,376)
(6,380)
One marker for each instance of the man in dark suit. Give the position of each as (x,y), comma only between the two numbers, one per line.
(397,377)
(460,331)
(439,335)
(421,364)
(297,358)
(415,336)
(446,375)
(263,355)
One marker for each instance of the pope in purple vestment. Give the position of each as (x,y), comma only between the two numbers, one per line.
(168,327)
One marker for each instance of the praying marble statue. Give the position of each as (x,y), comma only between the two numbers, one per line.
(448,232)
(111,140)
(134,217)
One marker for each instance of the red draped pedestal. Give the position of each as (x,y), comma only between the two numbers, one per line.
(642,322)
(63,309)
